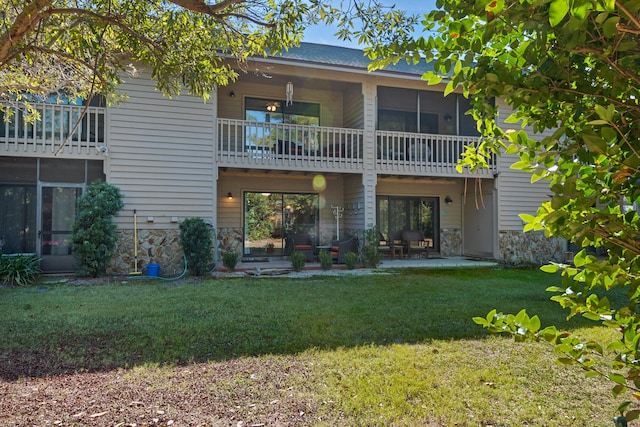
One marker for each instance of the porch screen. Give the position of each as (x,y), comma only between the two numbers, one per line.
(18,218)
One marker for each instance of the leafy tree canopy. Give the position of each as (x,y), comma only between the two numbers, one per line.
(78,47)
(82,47)
(569,70)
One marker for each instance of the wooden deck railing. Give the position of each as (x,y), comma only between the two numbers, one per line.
(423,154)
(54,127)
(288,146)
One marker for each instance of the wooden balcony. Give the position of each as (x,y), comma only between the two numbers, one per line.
(258,145)
(44,137)
(423,154)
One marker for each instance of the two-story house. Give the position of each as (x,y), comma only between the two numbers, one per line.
(304,142)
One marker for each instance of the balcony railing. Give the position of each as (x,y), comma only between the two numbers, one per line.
(54,127)
(423,154)
(288,146)
(277,145)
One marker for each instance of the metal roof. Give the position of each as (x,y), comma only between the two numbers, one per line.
(321,54)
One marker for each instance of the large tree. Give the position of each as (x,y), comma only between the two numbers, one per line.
(80,47)
(570,71)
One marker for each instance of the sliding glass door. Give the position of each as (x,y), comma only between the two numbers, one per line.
(270,218)
(396,214)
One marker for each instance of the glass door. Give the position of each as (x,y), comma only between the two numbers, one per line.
(396,214)
(57,215)
(271,219)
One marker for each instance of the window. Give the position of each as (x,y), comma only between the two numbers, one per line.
(274,114)
(423,111)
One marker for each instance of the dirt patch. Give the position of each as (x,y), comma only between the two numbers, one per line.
(268,391)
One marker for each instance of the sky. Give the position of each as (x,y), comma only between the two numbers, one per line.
(325,35)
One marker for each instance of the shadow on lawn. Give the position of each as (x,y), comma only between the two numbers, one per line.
(326,317)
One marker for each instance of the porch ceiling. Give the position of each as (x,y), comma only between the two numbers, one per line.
(301,81)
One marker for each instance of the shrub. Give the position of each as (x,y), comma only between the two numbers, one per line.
(195,238)
(94,233)
(298,261)
(230,260)
(350,259)
(326,260)
(20,270)
(370,255)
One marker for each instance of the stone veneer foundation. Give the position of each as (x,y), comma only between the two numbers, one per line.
(154,247)
(163,247)
(532,248)
(450,242)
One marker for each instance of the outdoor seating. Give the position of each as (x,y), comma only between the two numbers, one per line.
(339,248)
(414,242)
(384,246)
(302,242)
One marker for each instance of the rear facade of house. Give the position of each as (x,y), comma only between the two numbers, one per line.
(304,143)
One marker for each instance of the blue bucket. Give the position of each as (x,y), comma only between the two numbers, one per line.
(153,270)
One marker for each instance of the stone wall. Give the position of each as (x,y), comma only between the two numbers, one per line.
(154,247)
(532,248)
(230,239)
(450,242)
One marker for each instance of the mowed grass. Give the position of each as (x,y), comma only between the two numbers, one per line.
(396,348)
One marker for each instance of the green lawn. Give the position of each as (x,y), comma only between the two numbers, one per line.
(395,348)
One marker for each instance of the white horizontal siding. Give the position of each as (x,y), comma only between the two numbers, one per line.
(516,193)
(161,155)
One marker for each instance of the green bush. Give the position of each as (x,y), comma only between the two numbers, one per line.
(20,270)
(370,255)
(94,233)
(230,260)
(351,259)
(326,260)
(195,238)
(298,261)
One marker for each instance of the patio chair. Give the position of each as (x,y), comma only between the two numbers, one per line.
(302,242)
(339,248)
(384,246)
(415,243)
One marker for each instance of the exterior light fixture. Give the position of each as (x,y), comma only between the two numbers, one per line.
(229,195)
(448,200)
(232,94)
(272,107)
(447,117)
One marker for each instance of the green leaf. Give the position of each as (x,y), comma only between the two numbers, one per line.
(449,88)
(480,321)
(605,114)
(557,11)
(610,26)
(632,415)
(594,143)
(617,378)
(549,268)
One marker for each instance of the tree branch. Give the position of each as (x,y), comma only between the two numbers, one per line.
(620,5)
(114,20)
(25,22)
